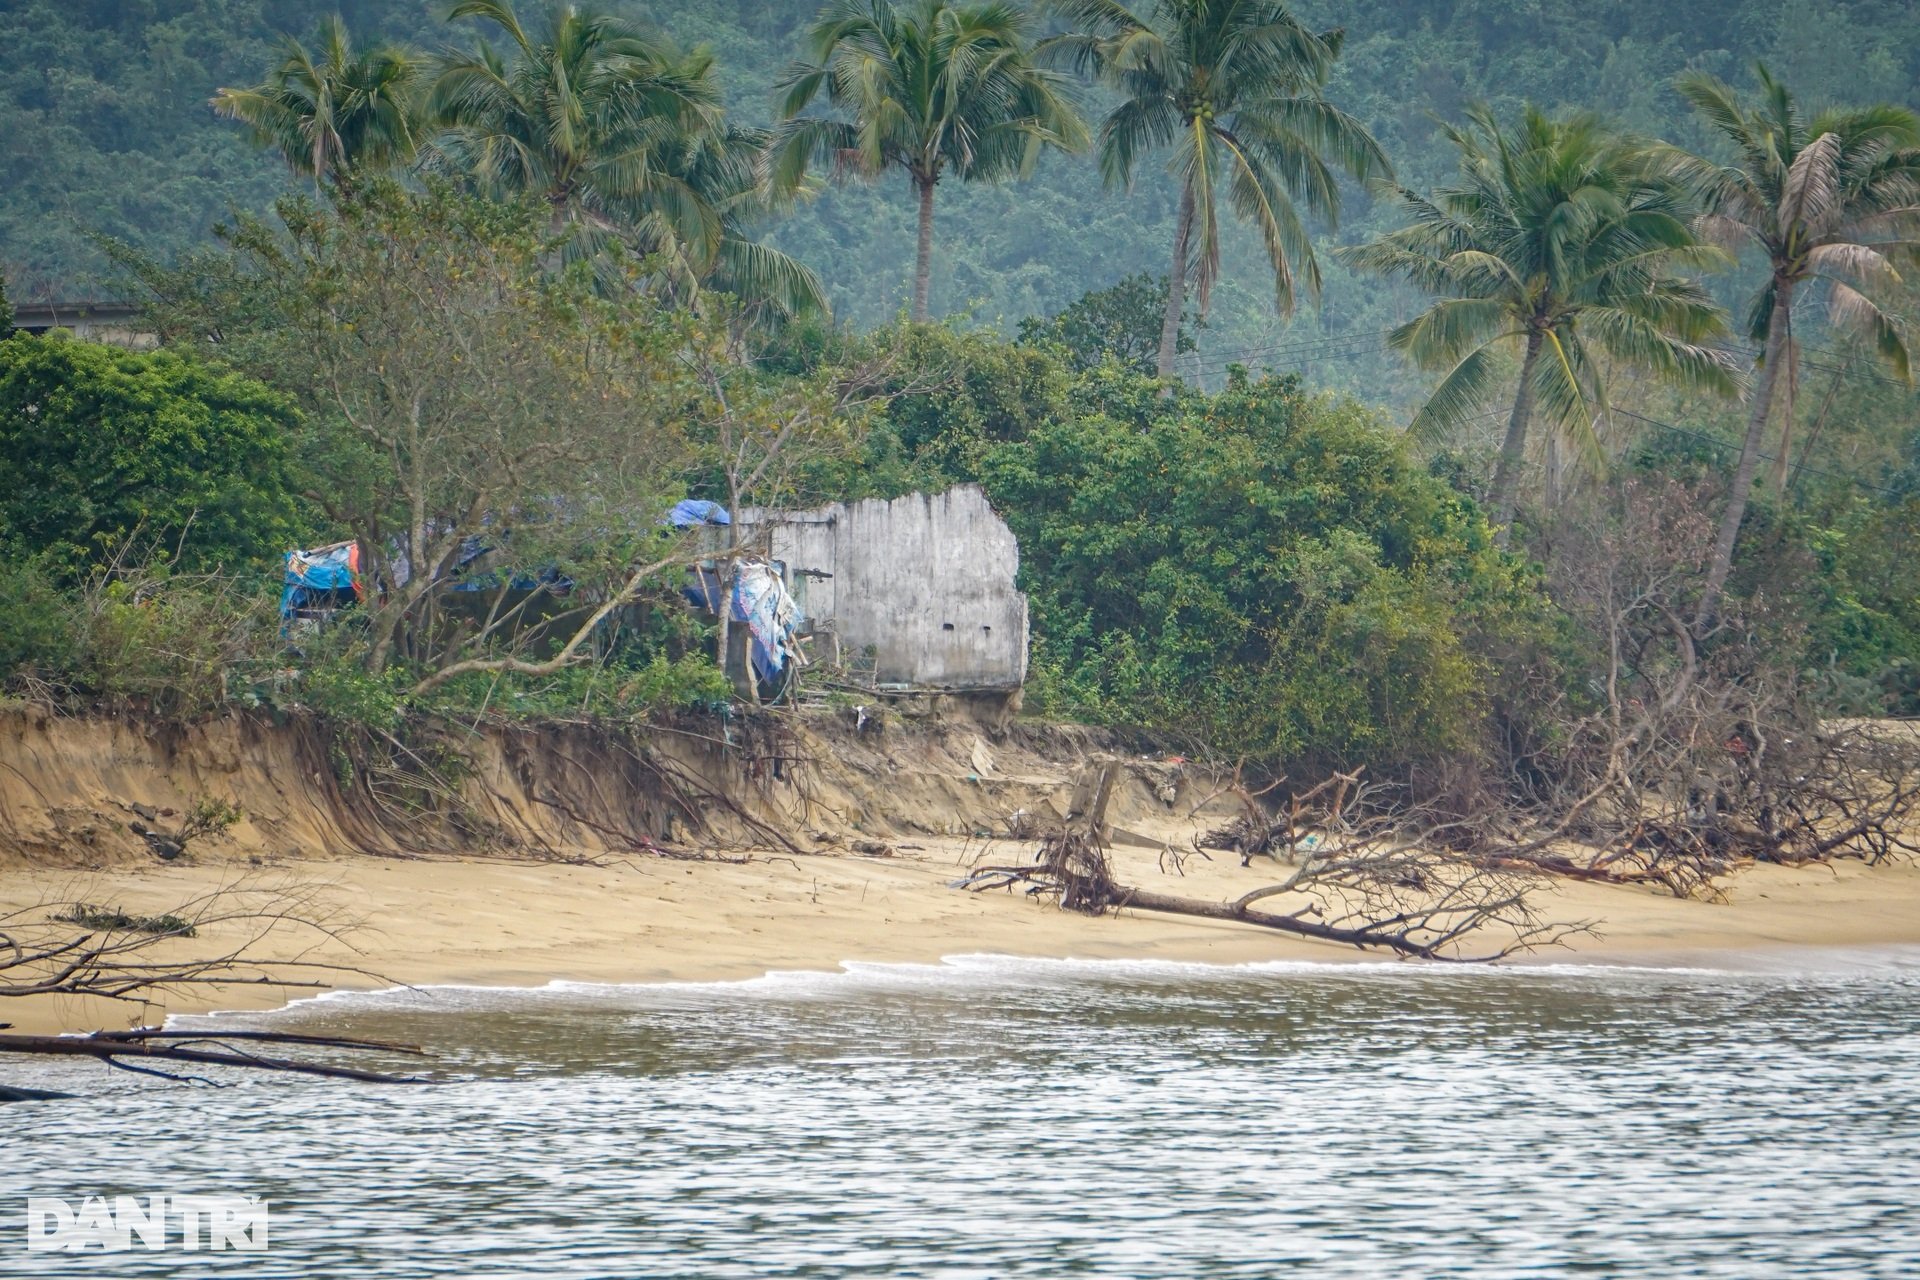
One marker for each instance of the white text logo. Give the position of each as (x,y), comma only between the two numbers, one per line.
(157,1222)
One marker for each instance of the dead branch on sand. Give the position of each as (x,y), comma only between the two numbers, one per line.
(218,939)
(1373,878)
(1692,753)
(70,949)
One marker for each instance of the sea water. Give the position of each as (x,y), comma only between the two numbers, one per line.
(992,1117)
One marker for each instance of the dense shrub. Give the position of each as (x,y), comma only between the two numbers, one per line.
(101,446)
(1266,570)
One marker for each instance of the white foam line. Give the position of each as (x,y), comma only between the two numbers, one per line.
(994,969)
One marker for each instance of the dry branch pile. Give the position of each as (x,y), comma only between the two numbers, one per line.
(1375,877)
(258,933)
(243,934)
(1698,750)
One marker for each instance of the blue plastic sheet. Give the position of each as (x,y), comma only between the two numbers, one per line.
(325,577)
(762,602)
(689,512)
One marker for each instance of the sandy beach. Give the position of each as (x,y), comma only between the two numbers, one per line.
(647,919)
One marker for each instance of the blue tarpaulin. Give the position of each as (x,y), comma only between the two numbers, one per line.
(326,577)
(703,588)
(759,601)
(689,512)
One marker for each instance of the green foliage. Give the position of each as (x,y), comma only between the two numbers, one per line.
(1866,619)
(454,390)
(1562,243)
(335,682)
(209,815)
(176,644)
(337,112)
(142,636)
(620,136)
(41,640)
(1827,201)
(1827,195)
(107,130)
(689,683)
(1236,92)
(968,391)
(1265,570)
(622,689)
(1119,323)
(931,88)
(103,447)
(171,643)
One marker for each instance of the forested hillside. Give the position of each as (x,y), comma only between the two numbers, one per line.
(105,128)
(1581,486)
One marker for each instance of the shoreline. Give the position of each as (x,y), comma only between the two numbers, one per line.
(524,925)
(1776,958)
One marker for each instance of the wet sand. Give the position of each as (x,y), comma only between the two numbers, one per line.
(645,919)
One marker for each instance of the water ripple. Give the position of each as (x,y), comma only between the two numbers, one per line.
(999,1118)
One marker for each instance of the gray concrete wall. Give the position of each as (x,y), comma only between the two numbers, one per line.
(928,581)
(121,324)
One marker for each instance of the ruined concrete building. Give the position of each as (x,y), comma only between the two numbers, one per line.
(913,594)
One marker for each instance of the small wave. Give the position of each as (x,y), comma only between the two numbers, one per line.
(987,972)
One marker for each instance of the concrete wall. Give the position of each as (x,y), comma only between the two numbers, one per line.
(121,324)
(928,581)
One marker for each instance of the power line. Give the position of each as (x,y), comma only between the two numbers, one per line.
(1341,347)
(1753,353)
(1283,351)
(1365,335)
(1718,443)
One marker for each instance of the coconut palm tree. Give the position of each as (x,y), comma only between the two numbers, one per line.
(1832,202)
(330,112)
(1234,89)
(622,136)
(576,114)
(726,168)
(931,88)
(1561,241)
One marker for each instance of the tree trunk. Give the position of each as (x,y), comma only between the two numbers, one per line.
(1513,451)
(1556,465)
(1176,291)
(554,259)
(723,571)
(1777,474)
(1777,329)
(923,262)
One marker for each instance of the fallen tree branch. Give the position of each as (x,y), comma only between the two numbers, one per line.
(220,941)
(145,1046)
(1374,880)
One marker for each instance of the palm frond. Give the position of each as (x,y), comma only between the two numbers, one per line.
(1442,334)
(1812,184)
(1459,398)
(1258,197)
(1860,264)
(1852,310)
(761,275)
